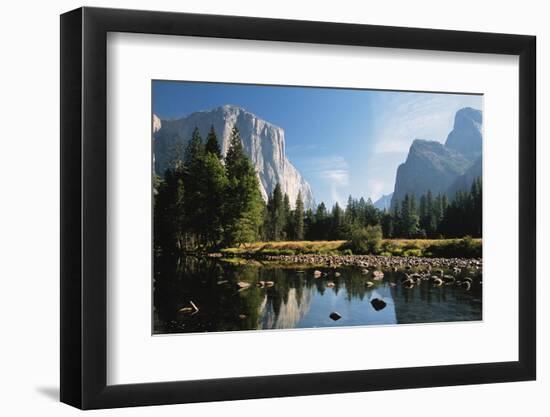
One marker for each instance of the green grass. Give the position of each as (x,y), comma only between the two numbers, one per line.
(287,248)
(466,247)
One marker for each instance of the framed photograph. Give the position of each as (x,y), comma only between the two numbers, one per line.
(257,208)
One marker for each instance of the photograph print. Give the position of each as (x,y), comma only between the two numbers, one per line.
(287,207)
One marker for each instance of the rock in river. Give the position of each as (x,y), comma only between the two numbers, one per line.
(438,282)
(378,304)
(335,316)
(243,285)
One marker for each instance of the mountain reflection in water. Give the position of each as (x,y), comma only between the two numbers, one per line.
(206,295)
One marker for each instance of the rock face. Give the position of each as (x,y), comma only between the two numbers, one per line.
(464,182)
(263,142)
(384,202)
(440,168)
(466,136)
(156,123)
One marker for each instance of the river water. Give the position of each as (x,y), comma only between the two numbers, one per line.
(208,295)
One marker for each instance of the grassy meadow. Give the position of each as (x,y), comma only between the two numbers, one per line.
(465,247)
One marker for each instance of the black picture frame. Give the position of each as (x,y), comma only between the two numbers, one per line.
(84,207)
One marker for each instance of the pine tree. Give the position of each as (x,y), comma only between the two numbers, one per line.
(212,145)
(299,218)
(396,220)
(387,224)
(432,220)
(215,184)
(277,217)
(370,213)
(168,214)
(194,149)
(337,223)
(194,189)
(320,231)
(244,204)
(409,218)
(287,218)
(309,224)
(477,194)
(351,213)
(444,203)
(423,214)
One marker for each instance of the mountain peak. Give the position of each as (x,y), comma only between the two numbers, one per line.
(466,136)
(229,108)
(468,113)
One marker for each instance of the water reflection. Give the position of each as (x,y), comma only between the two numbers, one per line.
(205,295)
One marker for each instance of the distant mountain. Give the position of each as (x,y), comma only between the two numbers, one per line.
(440,168)
(384,202)
(466,136)
(263,142)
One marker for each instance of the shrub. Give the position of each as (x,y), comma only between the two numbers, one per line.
(347,252)
(397,251)
(411,245)
(456,248)
(389,246)
(367,240)
(413,252)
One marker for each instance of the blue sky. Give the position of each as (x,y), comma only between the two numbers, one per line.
(342,141)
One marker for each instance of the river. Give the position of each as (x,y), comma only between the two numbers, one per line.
(208,295)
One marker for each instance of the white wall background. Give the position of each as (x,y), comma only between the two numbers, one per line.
(29,212)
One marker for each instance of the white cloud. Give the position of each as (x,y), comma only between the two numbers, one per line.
(333,170)
(400,118)
(339,176)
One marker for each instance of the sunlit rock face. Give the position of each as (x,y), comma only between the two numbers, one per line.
(156,123)
(263,142)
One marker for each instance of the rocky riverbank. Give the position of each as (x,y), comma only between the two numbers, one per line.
(374,261)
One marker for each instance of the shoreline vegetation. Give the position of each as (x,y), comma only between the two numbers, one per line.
(419,248)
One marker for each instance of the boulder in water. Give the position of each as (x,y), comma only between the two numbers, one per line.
(243,285)
(335,316)
(378,304)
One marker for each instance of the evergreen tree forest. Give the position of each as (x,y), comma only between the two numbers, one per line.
(206,202)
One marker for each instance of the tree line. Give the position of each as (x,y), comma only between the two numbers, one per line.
(205,201)
(429,217)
